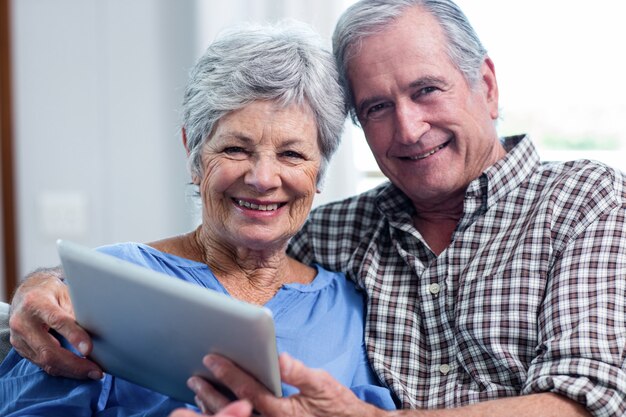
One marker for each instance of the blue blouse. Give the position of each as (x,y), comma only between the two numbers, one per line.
(320,323)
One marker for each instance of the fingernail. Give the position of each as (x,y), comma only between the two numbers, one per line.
(192,384)
(83,348)
(286,364)
(209,362)
(95,375)
(200,404)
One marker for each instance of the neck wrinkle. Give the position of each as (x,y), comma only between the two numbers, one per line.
(249,275)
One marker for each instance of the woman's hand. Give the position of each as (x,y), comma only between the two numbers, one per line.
(320,394)
(41,304)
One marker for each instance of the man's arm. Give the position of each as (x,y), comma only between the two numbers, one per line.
(41,304)
(320,395)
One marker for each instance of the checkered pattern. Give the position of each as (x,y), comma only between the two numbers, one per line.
(529,297)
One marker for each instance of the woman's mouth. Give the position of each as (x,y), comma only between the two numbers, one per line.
(259,207)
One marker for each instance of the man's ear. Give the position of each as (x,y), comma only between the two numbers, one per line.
(490,83)
(184,135)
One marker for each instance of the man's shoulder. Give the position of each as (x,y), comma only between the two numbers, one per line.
(363,204)
(584,177)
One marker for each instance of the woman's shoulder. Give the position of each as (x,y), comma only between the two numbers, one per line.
(337,285)
(146,255)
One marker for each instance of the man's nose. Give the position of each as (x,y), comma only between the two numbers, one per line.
(410,124)
(264,173)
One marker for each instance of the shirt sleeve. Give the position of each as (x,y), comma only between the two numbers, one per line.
(367,386)
(582,324)
(26,390)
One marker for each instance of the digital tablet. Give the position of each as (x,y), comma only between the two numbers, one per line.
(153,329)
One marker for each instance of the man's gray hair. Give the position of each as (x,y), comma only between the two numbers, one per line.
(367,17)
(285,63)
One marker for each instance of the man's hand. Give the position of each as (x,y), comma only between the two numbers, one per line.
(40,304)
(320,394)
(236,409)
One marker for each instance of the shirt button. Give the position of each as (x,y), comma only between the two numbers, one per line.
(444,369)
(434,288)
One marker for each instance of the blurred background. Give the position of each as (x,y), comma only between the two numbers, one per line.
(91,91)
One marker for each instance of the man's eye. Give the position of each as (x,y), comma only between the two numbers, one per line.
(377,110)
(426,90)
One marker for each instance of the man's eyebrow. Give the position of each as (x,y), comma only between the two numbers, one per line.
(426,81)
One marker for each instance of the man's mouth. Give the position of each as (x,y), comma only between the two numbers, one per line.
(259,207)
(427,154)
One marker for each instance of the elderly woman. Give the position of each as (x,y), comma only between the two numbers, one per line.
(263,114)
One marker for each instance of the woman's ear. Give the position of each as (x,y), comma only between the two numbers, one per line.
(194,178)
(184,134)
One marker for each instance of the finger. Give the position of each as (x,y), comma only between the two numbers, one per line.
(245,386)
(63,362)
(183,412)
(58,314)
(241,383)
(65,325)
(236,409)
(320,393)
(310,382)
(208,399)
(30,337)
(56,360)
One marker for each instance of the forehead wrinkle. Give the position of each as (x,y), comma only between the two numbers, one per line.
(426,81)
(239,135)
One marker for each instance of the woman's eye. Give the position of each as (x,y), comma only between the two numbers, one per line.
(233,150)
(292,154)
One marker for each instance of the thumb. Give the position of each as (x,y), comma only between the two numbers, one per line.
(237,409)
(310,382)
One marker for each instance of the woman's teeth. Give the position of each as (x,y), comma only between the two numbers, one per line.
(260,207)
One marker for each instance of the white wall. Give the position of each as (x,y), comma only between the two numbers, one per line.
(97,87)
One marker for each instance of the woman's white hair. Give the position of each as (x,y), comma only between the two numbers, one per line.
(285,63)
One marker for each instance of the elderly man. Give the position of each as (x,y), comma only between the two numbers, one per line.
(496,283)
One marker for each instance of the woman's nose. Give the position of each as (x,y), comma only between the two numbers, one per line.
(264,174)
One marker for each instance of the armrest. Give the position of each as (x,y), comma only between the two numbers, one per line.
(5,345)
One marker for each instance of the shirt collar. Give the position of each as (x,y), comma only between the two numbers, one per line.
(511,171)
(496,181)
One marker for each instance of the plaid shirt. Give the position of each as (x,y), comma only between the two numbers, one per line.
(529,296)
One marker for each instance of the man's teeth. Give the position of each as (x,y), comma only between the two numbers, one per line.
(426,155)
(261,207)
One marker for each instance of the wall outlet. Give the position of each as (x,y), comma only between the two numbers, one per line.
(63,214)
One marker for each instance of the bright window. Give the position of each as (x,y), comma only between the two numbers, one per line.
(560,66)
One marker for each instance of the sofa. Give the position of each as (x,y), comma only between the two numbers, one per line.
(5,346)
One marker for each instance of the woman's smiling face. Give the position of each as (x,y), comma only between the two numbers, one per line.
(259,175)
